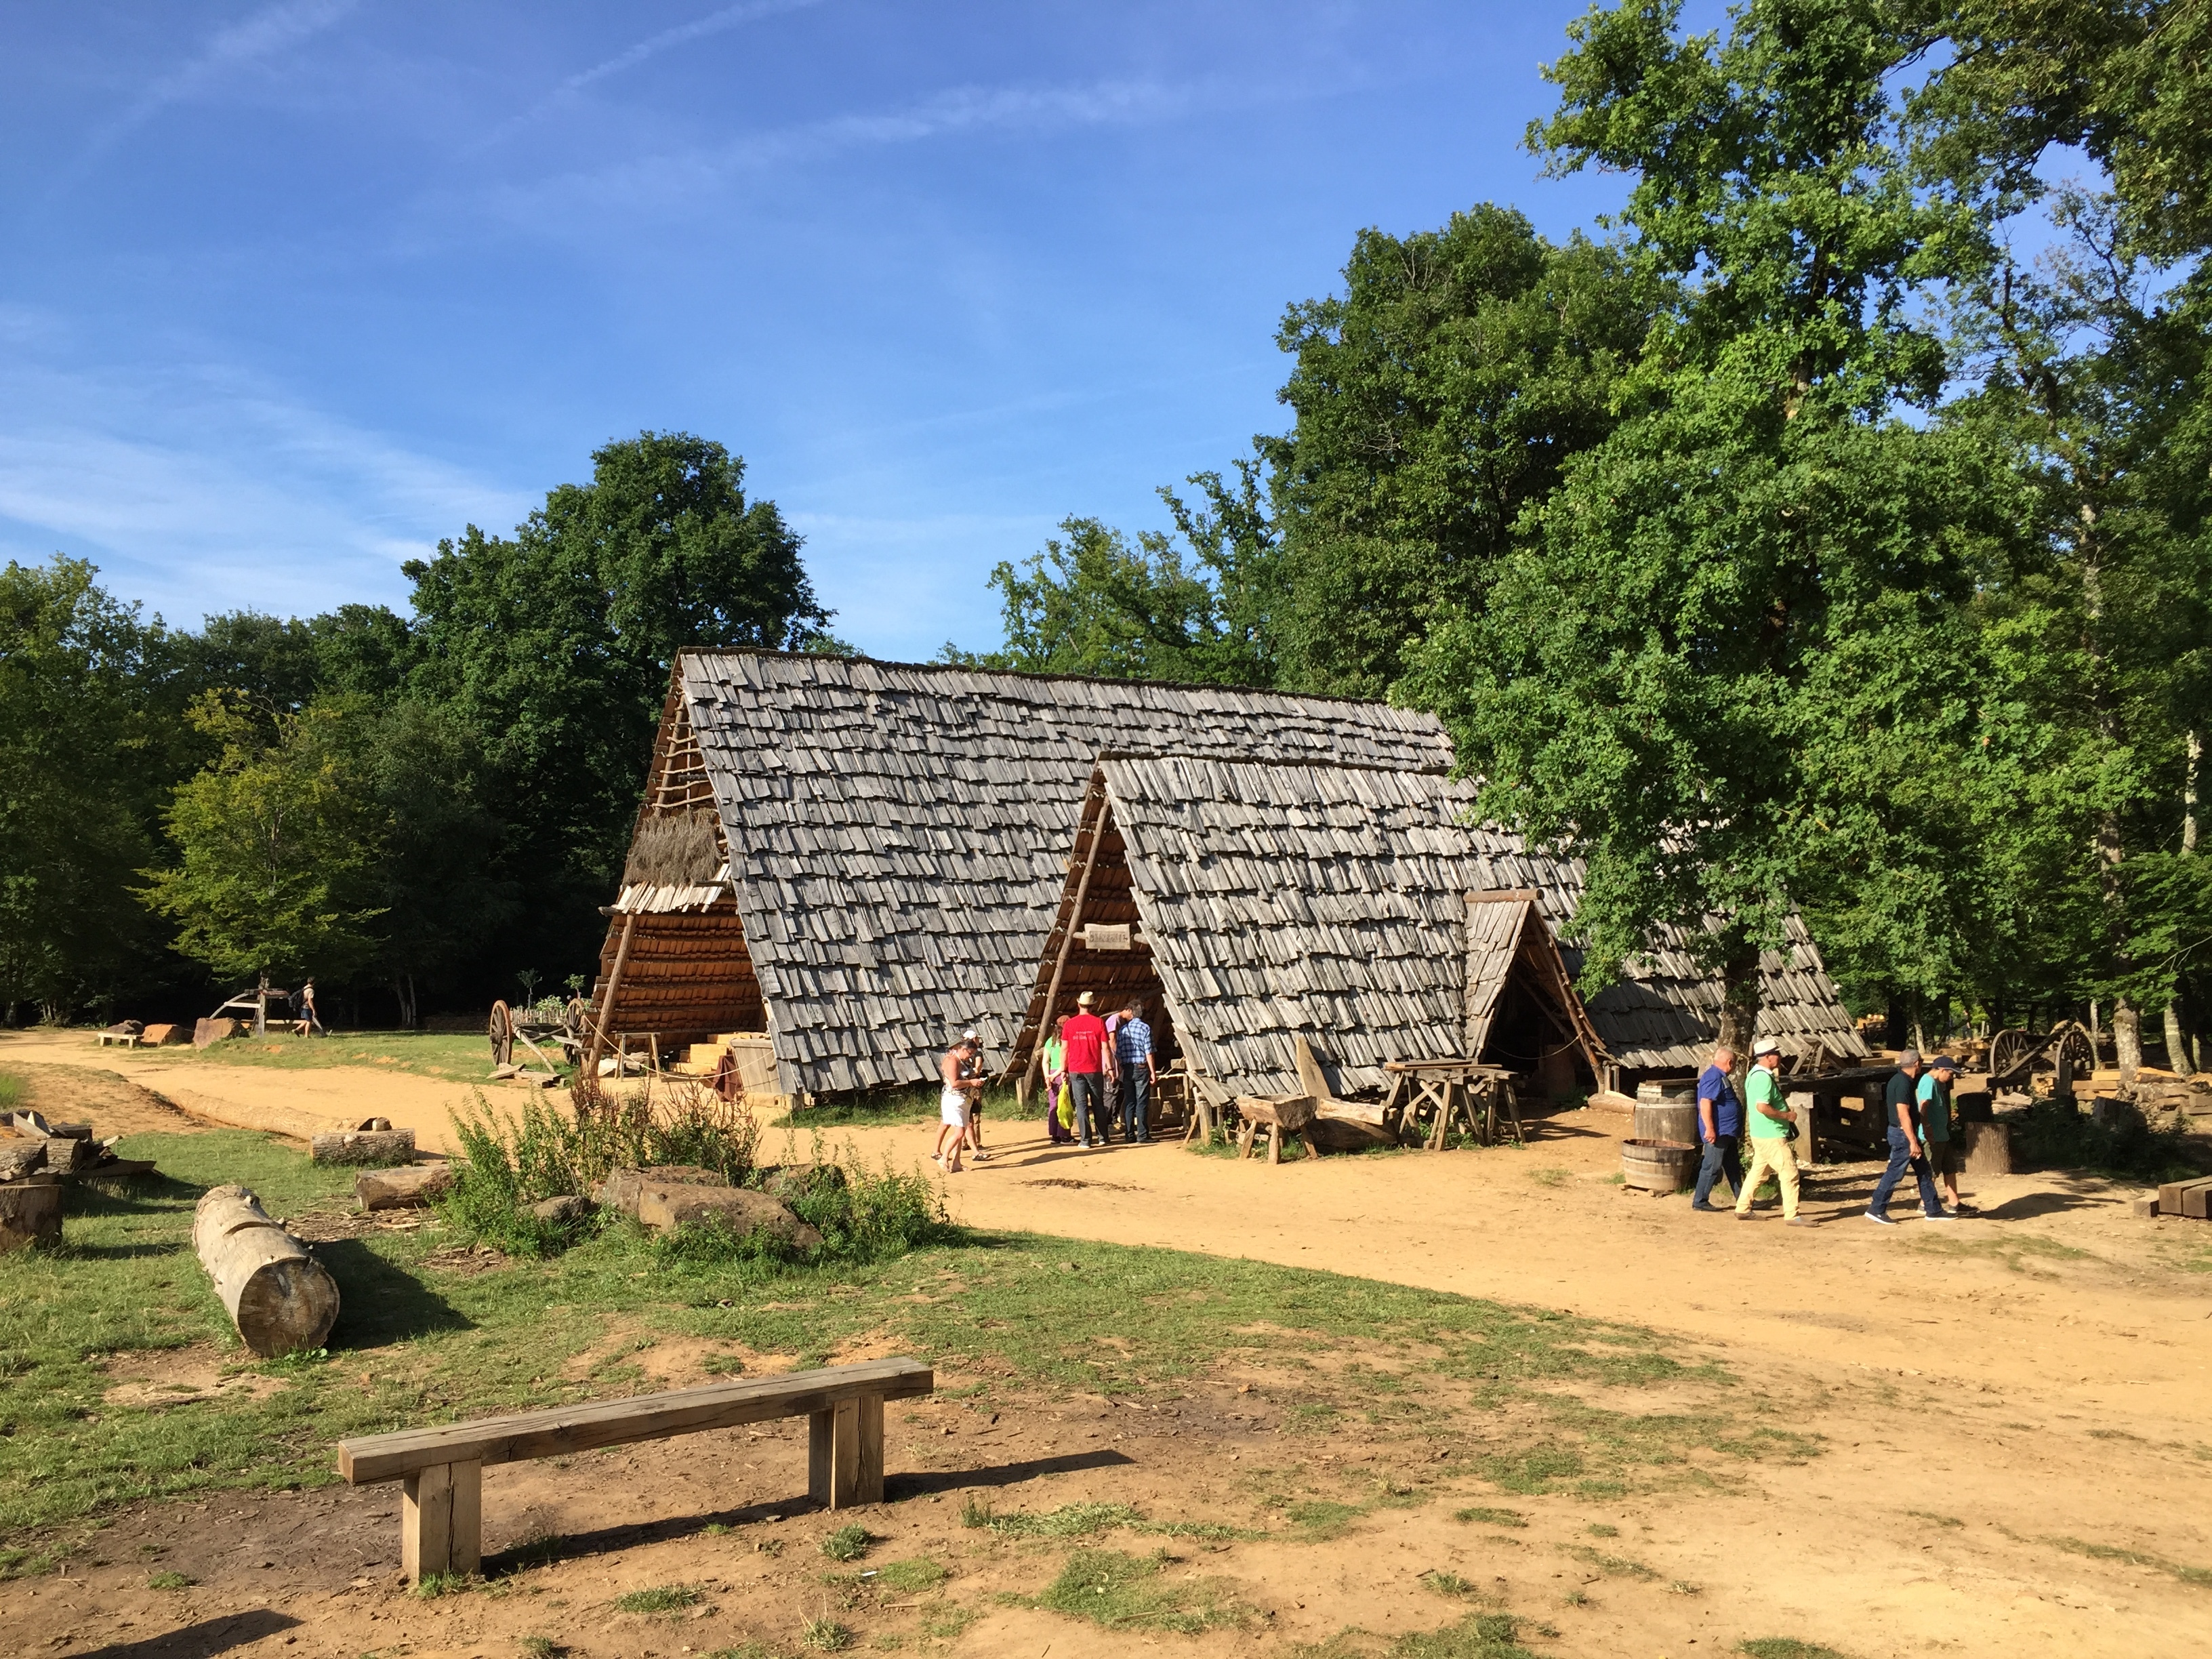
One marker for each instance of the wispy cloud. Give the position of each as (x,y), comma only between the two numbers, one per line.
(268,32)
(715,23)
(677,177)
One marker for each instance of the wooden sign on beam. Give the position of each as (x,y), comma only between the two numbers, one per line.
(1107,936)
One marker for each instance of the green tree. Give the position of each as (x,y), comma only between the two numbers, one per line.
(1096,603)
(1652,680)
(75,802)
(555,646)
(275,843)
(1437,399)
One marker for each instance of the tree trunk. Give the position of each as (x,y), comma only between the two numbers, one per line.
(261,1008)
(1740,990)
(2176,1046)
(403,990)
(363,1146)
(280,1297)
(2127,1039)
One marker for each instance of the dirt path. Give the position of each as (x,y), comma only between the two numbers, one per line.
(2015,1412)
(298,1101)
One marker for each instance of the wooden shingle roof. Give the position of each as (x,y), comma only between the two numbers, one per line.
(1330,900)
(898,834)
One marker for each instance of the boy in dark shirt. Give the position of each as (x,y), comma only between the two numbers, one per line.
(1903,1103)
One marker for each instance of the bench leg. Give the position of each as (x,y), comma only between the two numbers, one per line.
(833,1454)
(441,1521)
(868,1478)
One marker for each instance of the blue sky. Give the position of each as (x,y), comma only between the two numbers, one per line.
(288,292)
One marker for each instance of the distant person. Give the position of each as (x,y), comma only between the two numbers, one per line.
(1720,1130)
(953,1098)
(305,1020)
(1938,1121)
(1085,1034)
(1056,1114)
(1132,1052)
(971,1071)
(1771,1129)
(1113,1078)
(1901,1104)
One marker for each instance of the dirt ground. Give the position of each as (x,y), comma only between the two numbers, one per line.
(2014,1411)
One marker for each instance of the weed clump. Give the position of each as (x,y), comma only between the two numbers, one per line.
(846,1544)
(1125,1592)
(661,1598)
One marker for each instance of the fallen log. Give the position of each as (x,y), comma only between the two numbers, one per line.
(385,1146)
(403,1189)
(280,1297)
(21,1157)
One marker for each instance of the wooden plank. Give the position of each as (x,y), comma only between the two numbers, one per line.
(2170,1193)
(2195,1201)
(441,1521)
(369,1458)
(868,1481)
(833,1454)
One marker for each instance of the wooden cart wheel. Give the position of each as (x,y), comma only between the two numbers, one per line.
(501,1032)
(2074,1044)
(576,1014)
(2007,1049)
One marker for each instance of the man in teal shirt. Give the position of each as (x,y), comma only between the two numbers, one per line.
(1936,1121)
(1768,1120)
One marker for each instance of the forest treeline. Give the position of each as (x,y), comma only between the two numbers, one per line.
(409,807)
(1827,530)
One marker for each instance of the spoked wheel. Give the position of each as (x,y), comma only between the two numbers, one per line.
(501,1032)
(2074,1045)
(2009,1048)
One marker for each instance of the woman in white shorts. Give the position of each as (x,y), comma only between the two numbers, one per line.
(952,1099)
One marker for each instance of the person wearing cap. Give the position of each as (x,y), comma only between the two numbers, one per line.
(1088,1058)
(1132,1056)
(1901,1101)
(1720,1129)
(1936,1118)
(1771,1128)
(956,1071)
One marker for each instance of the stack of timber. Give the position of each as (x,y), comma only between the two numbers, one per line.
(281,1299)
(37,1147)
(2191,1198)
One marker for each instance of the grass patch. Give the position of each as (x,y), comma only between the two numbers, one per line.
(1125,1592)
(1088,1521)
(660,1598)
(2017,1251)
(949,1622)
(2200,1577)
(11,1092)
(911,1578)
(1321,1519)
(1550,1177)
(1613,1566)
(1478,1636)
(826,1636)
(169,1581)
(846,1544)
(1447,1583)
(1490,1517)
(1785,1647)
(448,1056)
(1940,1520)
(427,1335)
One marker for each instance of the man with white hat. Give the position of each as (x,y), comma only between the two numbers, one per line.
(1088,1060)
(1768,1120)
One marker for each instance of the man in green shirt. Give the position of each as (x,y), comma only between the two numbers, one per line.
(1768,1120)
(1936,1121)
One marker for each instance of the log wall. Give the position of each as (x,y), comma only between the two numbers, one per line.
(689,977)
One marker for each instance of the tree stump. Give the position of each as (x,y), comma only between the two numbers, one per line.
(1988,1148)
(280,1297)
(30,1213)
(385,1146)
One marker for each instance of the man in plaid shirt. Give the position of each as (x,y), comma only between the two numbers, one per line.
(1133,1046)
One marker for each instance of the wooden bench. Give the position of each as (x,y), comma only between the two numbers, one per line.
(441,1517)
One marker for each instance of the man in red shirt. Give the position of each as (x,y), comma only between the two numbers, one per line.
(1090,1062)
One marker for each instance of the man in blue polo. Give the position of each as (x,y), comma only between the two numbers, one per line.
(1901,1103)
(1720,1129)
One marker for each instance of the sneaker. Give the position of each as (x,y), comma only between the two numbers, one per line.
(1937,1215)
(1705,1209)
(1800,1221)
(1743,1215)
(1880,1220)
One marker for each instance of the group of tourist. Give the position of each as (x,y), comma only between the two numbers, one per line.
(1917,1112)
(1095,1071)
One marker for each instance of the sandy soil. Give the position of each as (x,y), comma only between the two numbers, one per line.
(1981,1389)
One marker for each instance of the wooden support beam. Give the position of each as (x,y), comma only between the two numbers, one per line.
(1095,812)
(442,1522)
(607,1009)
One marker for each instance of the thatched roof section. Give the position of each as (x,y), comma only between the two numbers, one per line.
(1331,901)
(897,834)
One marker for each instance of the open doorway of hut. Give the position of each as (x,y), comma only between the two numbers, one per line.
(1117,979)
(1532,1038)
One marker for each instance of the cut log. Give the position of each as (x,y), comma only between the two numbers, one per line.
(161,1036)
(403,1189)
(21,1157)
(1988,1148)
(30,1213)
(379,1146)
(280,1297)
(208,1031)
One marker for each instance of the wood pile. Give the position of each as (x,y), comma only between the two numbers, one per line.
(2191,1198)
(37,1147)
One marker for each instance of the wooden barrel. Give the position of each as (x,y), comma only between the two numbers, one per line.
(1658,1166)
(1674,1121)
(1671,1091)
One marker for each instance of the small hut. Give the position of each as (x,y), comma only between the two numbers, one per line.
(1364,908)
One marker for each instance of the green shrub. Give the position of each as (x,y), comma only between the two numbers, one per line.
(846,1544)
(862,1217)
